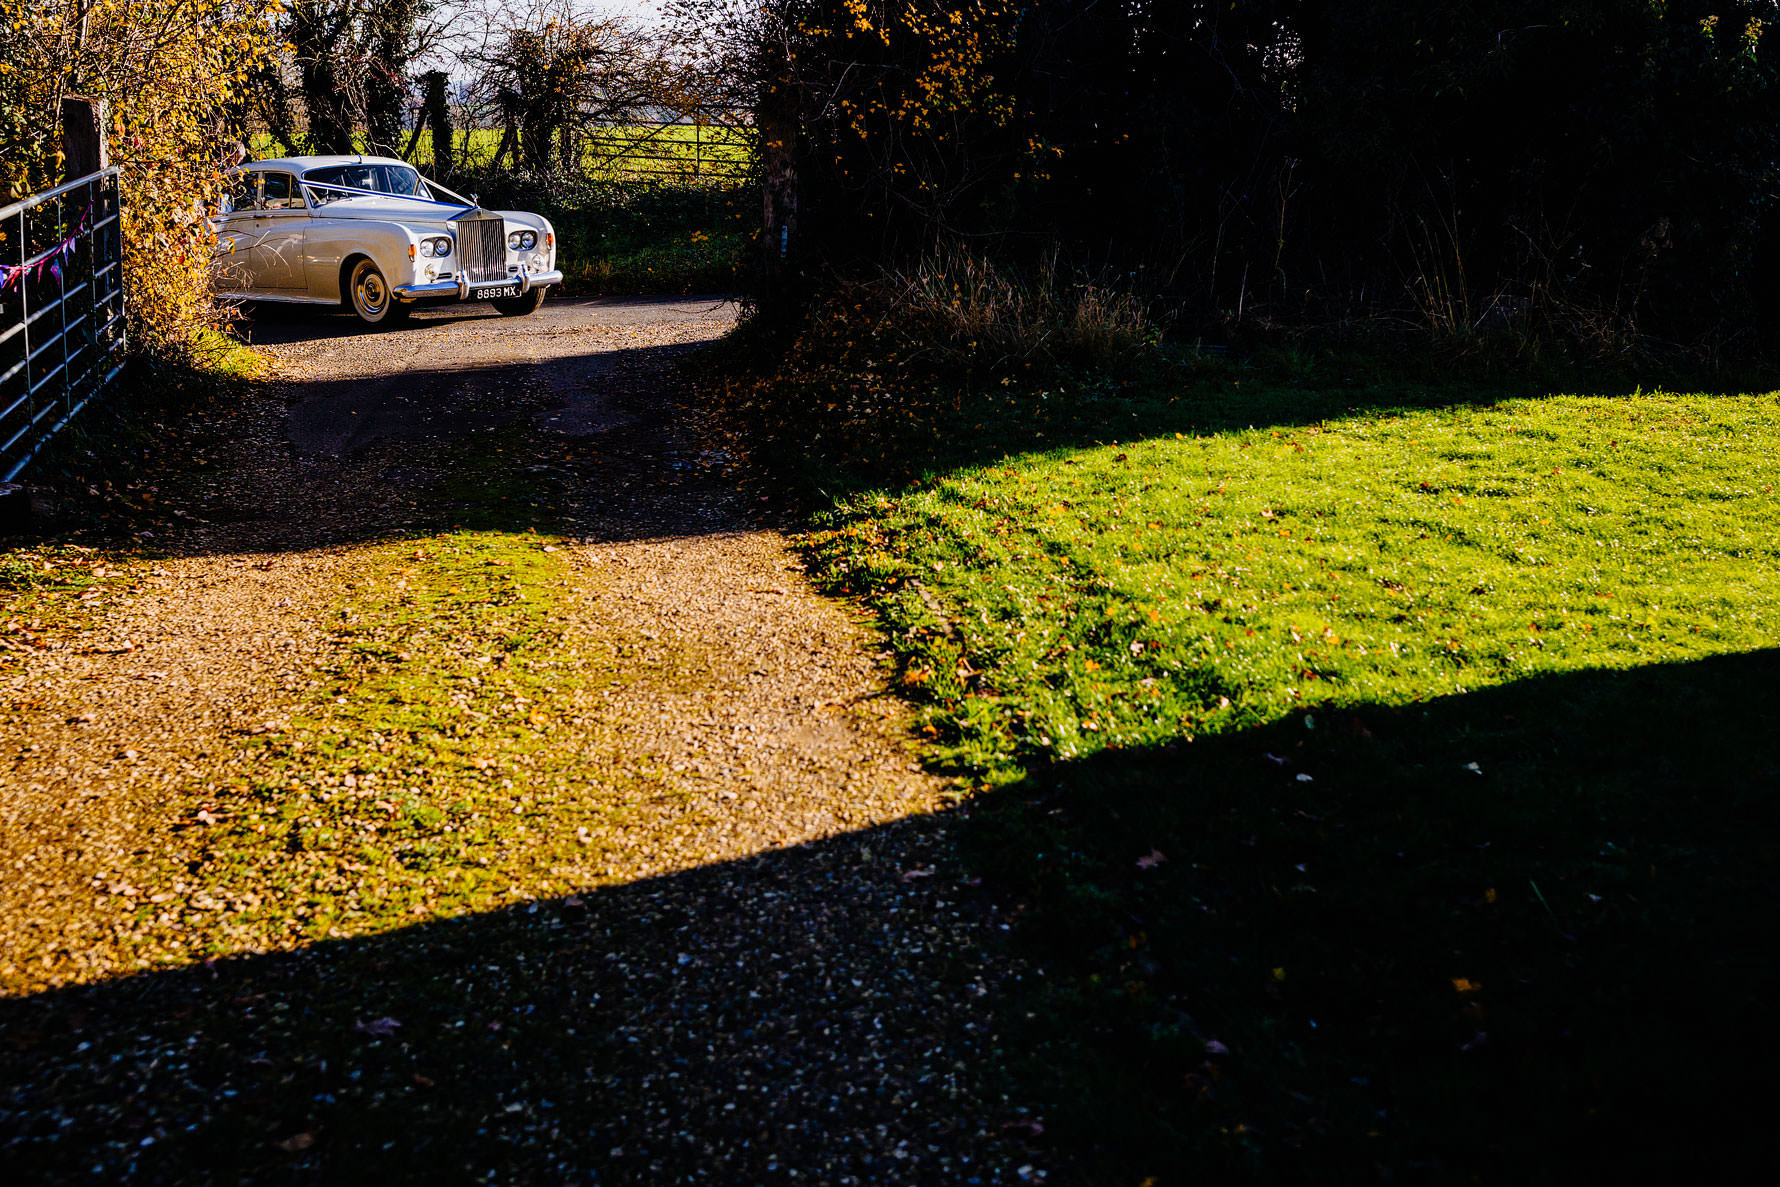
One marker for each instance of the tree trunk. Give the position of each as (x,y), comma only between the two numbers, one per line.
(318,33)
(386,85)
(436,110)
(274,106)
(777,121)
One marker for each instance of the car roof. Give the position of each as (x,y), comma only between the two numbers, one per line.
(304,164)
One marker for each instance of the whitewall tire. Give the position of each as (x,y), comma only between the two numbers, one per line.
(369,296)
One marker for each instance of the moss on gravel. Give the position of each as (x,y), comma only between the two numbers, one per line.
(437,764)
(433,772)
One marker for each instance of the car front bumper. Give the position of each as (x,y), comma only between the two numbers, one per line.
(462,289)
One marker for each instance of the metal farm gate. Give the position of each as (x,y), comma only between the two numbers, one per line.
(692,149)
(61,310)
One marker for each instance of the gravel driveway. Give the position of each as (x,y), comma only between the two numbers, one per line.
(777,973)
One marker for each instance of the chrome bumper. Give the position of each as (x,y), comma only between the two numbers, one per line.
(462,288)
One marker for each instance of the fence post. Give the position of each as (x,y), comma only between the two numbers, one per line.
(83,137)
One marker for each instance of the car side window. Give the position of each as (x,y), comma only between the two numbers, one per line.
(280,192)
(242,192)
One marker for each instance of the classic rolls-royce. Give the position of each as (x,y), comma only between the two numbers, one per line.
(373,235)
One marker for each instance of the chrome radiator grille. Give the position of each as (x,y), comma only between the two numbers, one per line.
(482,244)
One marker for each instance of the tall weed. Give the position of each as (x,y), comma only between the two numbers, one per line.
(962,312)
(1538,312)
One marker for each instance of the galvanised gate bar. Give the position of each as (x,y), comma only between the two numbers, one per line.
(61,310)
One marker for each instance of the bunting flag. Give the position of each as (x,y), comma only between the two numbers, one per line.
(49,261)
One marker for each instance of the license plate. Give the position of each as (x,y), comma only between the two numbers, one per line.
(508,290)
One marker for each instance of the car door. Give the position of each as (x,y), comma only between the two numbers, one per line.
(275,258)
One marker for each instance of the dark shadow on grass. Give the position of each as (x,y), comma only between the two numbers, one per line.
(1515,936)
(1519,935)
(727,1025)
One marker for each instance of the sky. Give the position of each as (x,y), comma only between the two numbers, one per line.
(642,10)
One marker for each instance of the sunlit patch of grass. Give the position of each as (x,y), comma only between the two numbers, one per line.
(221,358)
(1059,603)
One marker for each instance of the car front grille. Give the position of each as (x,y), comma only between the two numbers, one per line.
(482,244)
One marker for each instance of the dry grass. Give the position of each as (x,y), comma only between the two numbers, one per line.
(964,311)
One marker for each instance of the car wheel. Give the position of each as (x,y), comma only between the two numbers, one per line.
(370,296)
(521,305)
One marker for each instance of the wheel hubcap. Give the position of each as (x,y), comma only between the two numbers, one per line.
(371,293)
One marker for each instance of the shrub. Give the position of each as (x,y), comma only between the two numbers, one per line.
(167,73)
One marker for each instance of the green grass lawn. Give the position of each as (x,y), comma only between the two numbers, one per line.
(675,153)
(1128,594)
(1390,779)
(625,240)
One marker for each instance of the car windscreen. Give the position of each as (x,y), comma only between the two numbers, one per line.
(382,179)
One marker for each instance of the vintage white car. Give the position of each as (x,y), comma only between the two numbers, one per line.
(370,233)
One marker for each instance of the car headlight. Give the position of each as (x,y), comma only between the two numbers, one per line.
(522,240)
(437,247)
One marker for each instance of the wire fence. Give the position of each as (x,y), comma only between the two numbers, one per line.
(61,311)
